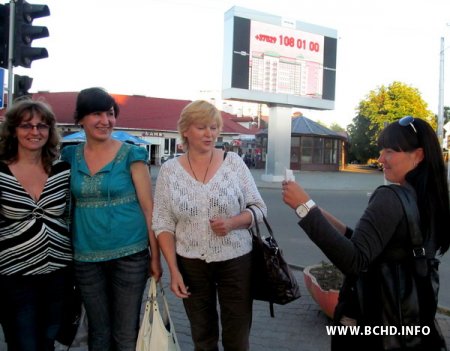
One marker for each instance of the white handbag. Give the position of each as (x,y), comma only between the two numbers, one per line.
(157,332)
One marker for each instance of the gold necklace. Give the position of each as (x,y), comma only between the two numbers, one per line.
(207,168)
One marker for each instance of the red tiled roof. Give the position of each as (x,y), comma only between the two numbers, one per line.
(136,112)
(243,119)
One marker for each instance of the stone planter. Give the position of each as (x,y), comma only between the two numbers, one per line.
(326,299)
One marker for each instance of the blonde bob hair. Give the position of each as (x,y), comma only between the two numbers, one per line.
(198,111)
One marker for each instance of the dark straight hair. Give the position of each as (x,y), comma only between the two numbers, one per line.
(94,100)
(428,178)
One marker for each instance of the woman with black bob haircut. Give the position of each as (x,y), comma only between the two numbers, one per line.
(93,100)
(391,278)
(112,218)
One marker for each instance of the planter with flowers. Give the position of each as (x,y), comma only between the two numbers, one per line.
(323,282)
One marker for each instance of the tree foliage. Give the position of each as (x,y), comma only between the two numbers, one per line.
(388,104)
(323,124)
(361,136)
(382,106)
(446,114)
(336,127)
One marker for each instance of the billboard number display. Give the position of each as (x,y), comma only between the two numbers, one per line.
(273,60)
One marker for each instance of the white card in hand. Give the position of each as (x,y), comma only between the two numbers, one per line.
(289,175)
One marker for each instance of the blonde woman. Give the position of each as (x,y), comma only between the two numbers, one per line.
(201,222)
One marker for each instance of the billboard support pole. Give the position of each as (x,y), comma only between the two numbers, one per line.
(278,144)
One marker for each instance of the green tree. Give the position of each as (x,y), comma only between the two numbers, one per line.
(361,147)
(446,114)
(323,124)
(336,127)
(382,106)
(388,104)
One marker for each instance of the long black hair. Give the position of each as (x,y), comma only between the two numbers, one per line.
(428,178)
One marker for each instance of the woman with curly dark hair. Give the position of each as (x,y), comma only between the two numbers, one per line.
(35,246)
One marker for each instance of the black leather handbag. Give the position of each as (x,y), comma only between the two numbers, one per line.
(272,278)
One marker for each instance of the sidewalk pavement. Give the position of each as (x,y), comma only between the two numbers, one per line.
(299,325)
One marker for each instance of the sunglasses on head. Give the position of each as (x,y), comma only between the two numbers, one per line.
(407,121)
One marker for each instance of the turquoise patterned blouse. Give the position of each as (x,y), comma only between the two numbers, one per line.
(108,221)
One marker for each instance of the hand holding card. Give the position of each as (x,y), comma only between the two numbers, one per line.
(289,175)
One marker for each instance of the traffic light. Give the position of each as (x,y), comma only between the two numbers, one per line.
(21,86)
(25,33)
(4,37)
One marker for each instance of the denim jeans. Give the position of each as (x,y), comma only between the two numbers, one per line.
(32,309)
(112,294)
(229,281)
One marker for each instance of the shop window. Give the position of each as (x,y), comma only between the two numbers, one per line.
(307,149)
(317,150)
(330,151)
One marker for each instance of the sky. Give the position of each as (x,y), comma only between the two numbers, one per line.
(174,48)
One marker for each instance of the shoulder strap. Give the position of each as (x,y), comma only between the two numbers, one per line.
(269,229)
(411,211)
(412,215)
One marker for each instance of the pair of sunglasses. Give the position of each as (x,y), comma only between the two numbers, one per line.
(407,121)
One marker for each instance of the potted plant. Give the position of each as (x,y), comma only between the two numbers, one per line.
(323,282)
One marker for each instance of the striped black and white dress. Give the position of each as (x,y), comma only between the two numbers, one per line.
(34,235)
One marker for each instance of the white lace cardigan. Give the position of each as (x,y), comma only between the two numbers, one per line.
(183,207)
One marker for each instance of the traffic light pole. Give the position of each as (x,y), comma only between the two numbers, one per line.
(12,10)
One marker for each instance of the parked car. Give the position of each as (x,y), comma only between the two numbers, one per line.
(164,158)
(373,163)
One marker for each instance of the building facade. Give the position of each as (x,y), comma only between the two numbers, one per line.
(151,119)
(313,146)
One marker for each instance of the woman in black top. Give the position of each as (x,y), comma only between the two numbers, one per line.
(35,247)
(411,157)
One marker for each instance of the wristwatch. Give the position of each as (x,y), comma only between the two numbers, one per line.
(303,209)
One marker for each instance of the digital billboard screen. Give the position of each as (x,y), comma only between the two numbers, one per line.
(274,60)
